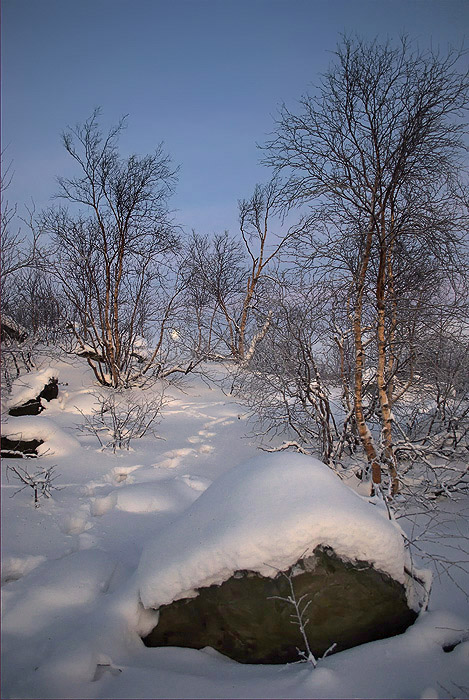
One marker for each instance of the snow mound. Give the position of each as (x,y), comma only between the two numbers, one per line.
(54,590)
(162,496)
(30,385)
(56,441)
(15,567)
(263,516)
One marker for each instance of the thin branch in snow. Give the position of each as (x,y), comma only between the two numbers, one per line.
(298,618)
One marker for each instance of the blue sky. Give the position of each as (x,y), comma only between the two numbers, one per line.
(204,76)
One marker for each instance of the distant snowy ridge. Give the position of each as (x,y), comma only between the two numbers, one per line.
(263,516)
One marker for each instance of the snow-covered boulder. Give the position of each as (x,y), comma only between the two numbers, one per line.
(11,330)
(50,438)
(249,618)
(223,561)
(29,390)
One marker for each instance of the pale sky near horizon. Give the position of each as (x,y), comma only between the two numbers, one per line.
(204,76)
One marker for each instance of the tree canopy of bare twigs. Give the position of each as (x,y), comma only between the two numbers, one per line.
(376,153)
(228,276)
(114,251)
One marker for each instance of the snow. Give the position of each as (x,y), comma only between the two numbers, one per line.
(57,442)
(13,568)
(263,516)
(165,495)
(58,588)
(30,385)
(70,568)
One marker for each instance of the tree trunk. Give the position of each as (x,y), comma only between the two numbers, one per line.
(363,430)
(382,345)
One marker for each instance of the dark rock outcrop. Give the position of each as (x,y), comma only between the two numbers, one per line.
(11,330)
(51,390)
(351,604)
(30,408)
(19,448)
(34,406)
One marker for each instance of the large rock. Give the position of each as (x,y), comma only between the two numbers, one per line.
(32,407)
(11,330)
(349,604)
(215,573)
(19,448)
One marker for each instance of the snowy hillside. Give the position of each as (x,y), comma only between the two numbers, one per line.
(70,569)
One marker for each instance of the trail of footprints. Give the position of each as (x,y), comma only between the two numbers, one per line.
(142,489)
(137,488)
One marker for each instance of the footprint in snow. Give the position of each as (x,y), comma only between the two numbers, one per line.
(194,439)
(121,474)
(206,449)
(198,483)
(173,458)
(75,524)
(100,506)
(218,421)
(14,568)
(91,487)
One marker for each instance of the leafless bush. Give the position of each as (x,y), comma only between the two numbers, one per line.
(284,383)
(40,481)
(17,358)
(122,415)
(436,535)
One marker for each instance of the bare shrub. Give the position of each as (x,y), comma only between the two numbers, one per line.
(40,481)
(114,253)
(122,415)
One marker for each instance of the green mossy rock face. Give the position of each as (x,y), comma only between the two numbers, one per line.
(351,604)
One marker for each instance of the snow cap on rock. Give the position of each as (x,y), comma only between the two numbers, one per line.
(262,516)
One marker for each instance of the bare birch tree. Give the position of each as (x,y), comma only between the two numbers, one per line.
(262,247)
(227,275)
(215,269)
(375,153)
(113,252)
(19,253)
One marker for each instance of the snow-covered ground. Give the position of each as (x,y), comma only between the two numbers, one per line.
(71,619)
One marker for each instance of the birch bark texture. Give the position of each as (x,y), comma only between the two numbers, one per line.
(373,156)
